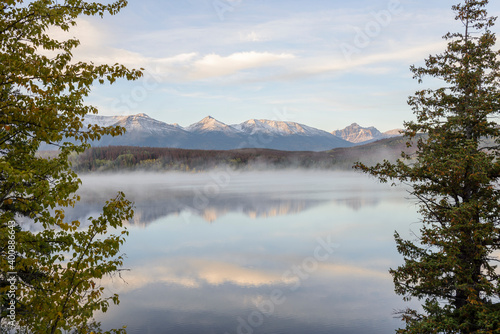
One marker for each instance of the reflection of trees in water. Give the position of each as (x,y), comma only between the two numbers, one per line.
(357,203)
(152,208)
(154,202)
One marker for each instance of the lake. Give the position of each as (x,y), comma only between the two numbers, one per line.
(256,252)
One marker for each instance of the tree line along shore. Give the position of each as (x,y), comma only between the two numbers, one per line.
(117,158)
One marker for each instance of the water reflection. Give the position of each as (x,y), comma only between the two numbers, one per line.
(180,203)
(257,195)
(285,253)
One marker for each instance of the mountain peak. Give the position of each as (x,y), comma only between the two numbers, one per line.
(210,124)
(208,119)
(142,115)
(355,133)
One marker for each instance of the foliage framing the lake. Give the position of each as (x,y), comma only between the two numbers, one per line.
(455,178)
(51,279)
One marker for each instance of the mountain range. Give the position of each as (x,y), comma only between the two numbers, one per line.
(211,134)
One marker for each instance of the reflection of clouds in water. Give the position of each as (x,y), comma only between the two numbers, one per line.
(188,275)
(194,278)
(334,270)
(337,296)
(197,273)
(172,310)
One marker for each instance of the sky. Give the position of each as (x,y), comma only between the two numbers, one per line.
(323,63)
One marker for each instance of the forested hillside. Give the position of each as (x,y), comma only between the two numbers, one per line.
(113,158)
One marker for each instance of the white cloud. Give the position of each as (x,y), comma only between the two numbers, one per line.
(368,63)
(214,65)
(96,46)
(199,95)
(192,63)
(194,67)
(251,37)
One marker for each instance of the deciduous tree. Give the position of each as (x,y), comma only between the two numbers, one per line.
(454,176)
(55,272)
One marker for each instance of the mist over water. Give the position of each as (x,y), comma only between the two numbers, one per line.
(255,252)
(257,194)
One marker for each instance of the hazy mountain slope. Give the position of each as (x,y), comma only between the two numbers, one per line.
(355,133)
(373,152)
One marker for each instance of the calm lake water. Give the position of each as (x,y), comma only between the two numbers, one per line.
(260,252)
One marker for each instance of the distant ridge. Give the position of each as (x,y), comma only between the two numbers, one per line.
(114,158)
(211,134)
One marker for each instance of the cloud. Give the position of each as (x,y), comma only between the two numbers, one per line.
(214,65)
(194,67)
(199,95)
(188,66)
(368,63)
(251,37)
(188,62)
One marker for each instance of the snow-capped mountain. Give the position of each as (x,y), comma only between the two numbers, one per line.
(210,124)
(355,133)
(210,133)
(142,130)
(139,122)
(102,120)
(255,126)
(288,136)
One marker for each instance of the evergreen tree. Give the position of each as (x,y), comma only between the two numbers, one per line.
(455,178)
